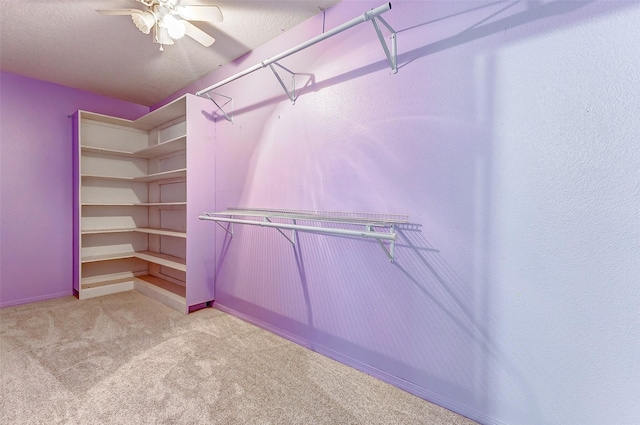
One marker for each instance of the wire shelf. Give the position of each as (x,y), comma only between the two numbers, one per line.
(381,219)
(379,226)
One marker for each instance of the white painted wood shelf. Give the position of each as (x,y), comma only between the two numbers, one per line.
(160,259)
(174,145)
(171,174)
(162,232)
(132,204)
(131,210)
(106,257)
(162,290)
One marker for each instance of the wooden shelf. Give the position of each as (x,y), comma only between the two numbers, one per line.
(168,112)
(152,257)
(161,232)
(164,204)
(165,285)
(168,293)
(105,287)
(172,174)
(107,257)
(106,151)
(109,282)
(104,231)
(98,177)
(173,145)
(162,260)
(131,204)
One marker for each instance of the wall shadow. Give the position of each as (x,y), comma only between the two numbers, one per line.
(437,281)
(302,273)
(536,12)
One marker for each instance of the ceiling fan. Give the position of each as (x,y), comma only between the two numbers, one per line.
(169,20)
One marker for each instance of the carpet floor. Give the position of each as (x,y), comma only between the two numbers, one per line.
(126,359)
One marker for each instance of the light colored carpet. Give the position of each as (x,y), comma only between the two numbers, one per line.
(126,359)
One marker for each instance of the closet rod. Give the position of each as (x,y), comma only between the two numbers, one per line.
(367,16)
(334,231)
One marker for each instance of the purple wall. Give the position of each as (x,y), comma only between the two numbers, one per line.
(36,184)
(509,136)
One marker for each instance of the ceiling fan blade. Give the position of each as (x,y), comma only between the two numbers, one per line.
(198,35)
(118,12)
(201,13)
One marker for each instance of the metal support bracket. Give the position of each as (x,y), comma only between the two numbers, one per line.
(290,93)
(220,107)
(392,244)
(228,229)
(392,56)
(291,239)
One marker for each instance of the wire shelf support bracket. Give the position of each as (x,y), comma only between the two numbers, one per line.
(229,117)
(290,93)
(392,55)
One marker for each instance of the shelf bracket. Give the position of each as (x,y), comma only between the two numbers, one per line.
(290,93)
(221,107)
(228,229)
(392,55)
(392,244)
(291,239)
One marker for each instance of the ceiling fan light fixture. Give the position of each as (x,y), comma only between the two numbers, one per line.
(144,21)
(170,20)
(176,28)
(162,36)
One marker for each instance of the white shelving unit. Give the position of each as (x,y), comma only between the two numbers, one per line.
(132,184)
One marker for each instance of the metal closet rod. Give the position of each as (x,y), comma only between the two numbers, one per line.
(367,16)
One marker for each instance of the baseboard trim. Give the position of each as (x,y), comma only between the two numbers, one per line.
(35,299)
(365,368)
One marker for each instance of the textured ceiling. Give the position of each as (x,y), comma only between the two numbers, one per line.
(67,42)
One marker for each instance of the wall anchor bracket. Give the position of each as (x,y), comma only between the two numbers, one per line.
(221,107)
(392,55)
(290,93)
(291,239)
(228,229)
(392,244)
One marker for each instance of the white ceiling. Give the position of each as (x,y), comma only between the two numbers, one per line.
(67,42)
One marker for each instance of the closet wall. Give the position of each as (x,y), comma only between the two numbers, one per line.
(36,198)
(509,136)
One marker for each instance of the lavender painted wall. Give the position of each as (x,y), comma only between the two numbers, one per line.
(36,184)
(510,137)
